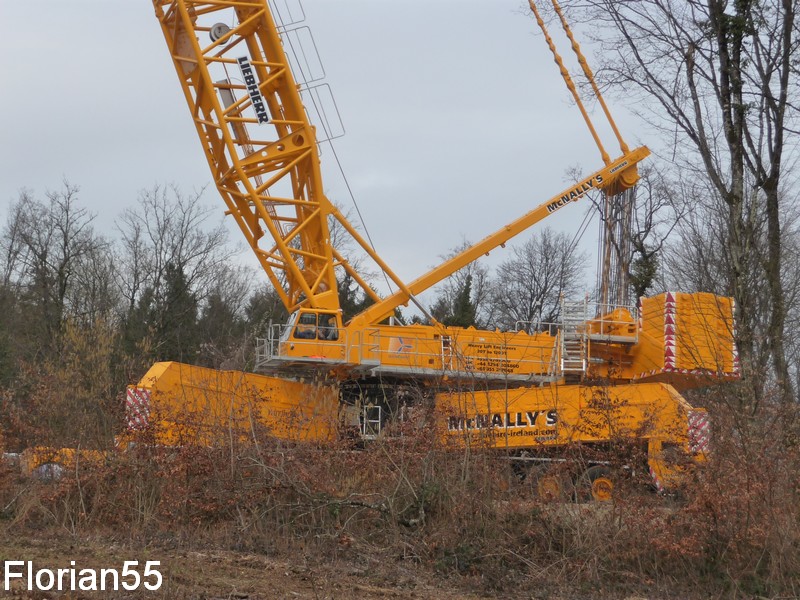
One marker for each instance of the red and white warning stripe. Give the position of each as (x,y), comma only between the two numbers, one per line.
(669,331)
(671,347)
(137,407)
(699,431)
(656,481)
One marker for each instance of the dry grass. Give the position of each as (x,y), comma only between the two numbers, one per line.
(407,506)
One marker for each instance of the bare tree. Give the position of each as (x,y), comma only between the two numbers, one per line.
(222,324)
(171,262)
(528,286)
(716,77)
(791,287)
(53,258)
(169,229)
(474,280)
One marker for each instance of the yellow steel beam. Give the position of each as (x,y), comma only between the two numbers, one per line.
(618,174)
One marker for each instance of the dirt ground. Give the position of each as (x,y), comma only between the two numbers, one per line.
(218,574)
(228,575)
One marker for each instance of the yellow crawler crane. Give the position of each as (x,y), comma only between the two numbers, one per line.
(531,394)
(261,147)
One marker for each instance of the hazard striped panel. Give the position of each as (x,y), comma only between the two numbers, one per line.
(699,431)
(670,332)
(656,481)
(137,408)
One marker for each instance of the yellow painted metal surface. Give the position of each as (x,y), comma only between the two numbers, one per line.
(257,138)
(261,148)
(683,339)
(687,340)
(183,404)
(425,349)
(556,416)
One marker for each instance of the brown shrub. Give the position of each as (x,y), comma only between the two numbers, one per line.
(732,531)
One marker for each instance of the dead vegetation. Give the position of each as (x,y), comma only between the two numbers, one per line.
(406,505)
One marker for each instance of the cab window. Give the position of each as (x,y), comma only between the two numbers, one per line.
(306,328)
(327,329)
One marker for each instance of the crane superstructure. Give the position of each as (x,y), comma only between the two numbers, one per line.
(262,150)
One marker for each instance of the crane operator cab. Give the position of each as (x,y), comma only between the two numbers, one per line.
(312,333)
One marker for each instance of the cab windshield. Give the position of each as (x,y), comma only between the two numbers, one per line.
(320,326)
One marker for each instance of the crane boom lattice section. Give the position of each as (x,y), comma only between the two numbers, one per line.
(257,139)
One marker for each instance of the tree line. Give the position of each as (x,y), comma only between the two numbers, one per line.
(86,312)
(716,211)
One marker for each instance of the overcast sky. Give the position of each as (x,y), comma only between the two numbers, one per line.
(457,120)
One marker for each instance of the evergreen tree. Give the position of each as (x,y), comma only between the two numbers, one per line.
(218,327)
(137,326)
(459,309)
(351,299)
(263,307)
(464,311)
(643,271)
(176,318)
